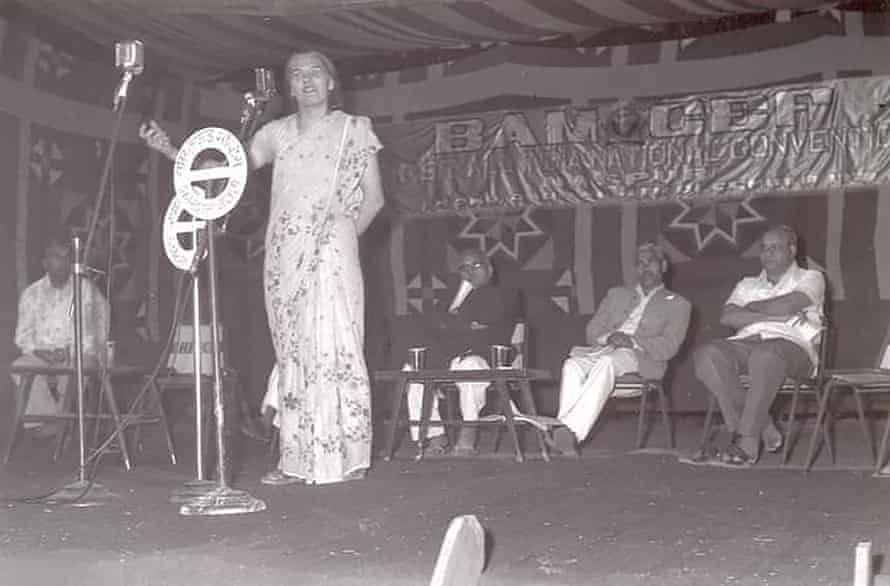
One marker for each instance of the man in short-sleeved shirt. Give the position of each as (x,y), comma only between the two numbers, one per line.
(45,330)
(777,316)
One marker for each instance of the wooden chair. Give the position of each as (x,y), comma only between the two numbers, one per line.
(795,387)
(862,382)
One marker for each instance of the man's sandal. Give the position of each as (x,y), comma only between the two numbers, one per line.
(735,457)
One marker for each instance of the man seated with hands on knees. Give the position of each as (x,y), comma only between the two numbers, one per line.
(458,335)
(636,329)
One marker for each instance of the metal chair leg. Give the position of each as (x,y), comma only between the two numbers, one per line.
(158,401)
(105,386)
(22,396)
(706,429)
(826,431)
(882,453)
(818,429)
(791,434)
(641,423)
(864,425)
(69,405)
(665,414)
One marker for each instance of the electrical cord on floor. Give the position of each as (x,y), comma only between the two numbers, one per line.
(92,462)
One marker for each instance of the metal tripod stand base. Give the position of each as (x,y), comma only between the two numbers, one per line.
(81,493)
(191,490)
(222,501)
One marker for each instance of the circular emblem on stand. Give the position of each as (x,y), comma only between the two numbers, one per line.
(180,235)
(229,168)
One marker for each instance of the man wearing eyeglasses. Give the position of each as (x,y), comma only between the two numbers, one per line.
(459,335)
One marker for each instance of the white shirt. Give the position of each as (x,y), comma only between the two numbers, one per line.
(45,318)
(462,292)
(801,332)
(632,322)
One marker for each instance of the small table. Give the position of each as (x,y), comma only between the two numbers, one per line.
(67,414)
(500,379)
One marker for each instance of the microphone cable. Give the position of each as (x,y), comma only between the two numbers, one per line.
(94,457)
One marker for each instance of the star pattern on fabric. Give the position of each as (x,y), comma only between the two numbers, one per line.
(53,62)
(499,230)
(46,161)
(423,290)
(564,291)
(709,221)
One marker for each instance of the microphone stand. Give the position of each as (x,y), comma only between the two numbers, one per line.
(87,488)
(84,491)
(223,500)
(200,485)
(120,106)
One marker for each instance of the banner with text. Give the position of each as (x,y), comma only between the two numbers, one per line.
(820,135)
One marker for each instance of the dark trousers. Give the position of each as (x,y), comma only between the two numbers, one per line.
(719,363)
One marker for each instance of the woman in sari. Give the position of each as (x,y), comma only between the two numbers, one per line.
(326,189)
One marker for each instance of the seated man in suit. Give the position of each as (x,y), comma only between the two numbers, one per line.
(45,328)
(777,315)
(459,337)
(635,329)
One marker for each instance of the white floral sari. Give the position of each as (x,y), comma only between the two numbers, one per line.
(315,295)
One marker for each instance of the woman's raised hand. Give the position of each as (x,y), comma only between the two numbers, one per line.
(156,138)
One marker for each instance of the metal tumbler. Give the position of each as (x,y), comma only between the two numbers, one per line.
(500,356)
(417,357)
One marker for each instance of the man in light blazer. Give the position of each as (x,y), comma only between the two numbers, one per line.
(635,329)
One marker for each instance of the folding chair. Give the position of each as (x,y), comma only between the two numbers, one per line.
(795,386)
(632,385)
(99,390)
(862,382)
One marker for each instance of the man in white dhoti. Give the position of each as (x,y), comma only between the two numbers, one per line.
(635,329)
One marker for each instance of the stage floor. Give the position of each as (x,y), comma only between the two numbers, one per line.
(613,517)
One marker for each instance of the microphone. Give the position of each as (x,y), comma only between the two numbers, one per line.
(265,83)
(129,56)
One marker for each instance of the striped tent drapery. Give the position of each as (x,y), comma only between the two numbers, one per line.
(208,38)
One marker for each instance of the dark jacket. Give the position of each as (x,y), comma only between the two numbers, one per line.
(451,334)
